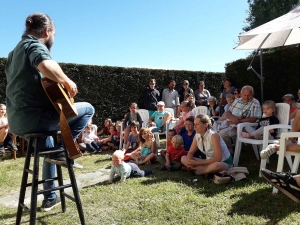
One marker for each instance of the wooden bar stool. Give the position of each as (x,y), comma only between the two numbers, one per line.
(34,150)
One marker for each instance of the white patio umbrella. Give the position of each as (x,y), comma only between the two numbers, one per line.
(282,31)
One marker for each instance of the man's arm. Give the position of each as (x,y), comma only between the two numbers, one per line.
(51,70)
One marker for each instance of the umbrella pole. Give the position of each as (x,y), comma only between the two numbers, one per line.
(261,71)
(261,76)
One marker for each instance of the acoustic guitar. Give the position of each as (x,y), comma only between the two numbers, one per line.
(66,109)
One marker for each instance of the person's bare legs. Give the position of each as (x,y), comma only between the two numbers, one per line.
(3,134)
(147,159)
(126,134)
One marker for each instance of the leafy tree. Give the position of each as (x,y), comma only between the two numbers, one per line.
(263,11)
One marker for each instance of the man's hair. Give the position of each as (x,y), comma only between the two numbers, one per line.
(38,22)
(249,88)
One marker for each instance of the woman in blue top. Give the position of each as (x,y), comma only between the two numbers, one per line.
(209,143)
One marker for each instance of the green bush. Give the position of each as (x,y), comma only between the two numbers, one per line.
(111,89)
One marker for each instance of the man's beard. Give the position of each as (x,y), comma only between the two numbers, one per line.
(49,43)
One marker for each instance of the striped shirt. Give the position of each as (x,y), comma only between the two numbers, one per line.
(246,110)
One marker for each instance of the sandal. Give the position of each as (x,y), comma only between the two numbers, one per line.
(283,182)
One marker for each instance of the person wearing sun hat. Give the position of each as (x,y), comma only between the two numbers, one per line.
(290,99)
(160,118)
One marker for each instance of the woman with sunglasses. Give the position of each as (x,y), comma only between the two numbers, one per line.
(237,93)
(201,95)
(185,90)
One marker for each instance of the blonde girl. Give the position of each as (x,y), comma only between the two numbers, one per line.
(145,153)
(268,118)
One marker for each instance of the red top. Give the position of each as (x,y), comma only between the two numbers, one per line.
(175,154)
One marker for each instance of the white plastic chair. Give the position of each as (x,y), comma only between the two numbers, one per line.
(200,110)
(283,153)
(156,134)
(145,116)
(283,117)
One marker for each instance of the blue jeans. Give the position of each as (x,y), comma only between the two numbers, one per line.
(49,121)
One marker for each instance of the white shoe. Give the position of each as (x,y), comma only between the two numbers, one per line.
(266,153)
(77,165)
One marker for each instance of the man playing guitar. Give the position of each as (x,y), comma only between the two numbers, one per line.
(28,106)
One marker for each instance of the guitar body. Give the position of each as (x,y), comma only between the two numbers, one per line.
(66,109)
(57,94)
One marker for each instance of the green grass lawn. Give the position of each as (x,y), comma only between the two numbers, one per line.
(164,198)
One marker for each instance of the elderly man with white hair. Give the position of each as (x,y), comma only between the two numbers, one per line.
(244,109)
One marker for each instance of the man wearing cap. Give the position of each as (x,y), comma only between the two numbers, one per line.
(290,99)
(170,97)
(160,117)
(244,109)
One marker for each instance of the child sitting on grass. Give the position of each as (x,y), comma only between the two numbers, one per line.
(172,160)
(133,140)
(171,134)
(145,153)
(123,169)
(90,139)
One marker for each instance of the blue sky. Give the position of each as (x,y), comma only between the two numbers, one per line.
(170,34)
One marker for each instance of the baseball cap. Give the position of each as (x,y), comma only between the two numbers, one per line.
(289,96)
(161,103)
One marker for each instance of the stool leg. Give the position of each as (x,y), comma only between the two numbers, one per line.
(24,182)
(61,191)
(75,190)
(35,179)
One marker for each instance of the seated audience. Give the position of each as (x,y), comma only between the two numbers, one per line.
(230,99)
(123,169)
(237,93)
(269,118)
(146,152)
(172,159)
(132,115)
(210,144)
(292,144)
(290,99)
(133,140)
(171,134)
(201,95)
(91,140)
(104,132)
(188,136)
(213,107)
(244,109)
(185,107)
(5,135)
(160,118)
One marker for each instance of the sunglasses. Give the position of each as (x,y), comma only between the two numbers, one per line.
(185,84)
(235,93)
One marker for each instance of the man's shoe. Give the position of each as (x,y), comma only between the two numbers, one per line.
(56,158)
(2,150)
(148,172)
(47,205)
(162,168)
(283,182)
(12,147)
(171,169)
(77,165)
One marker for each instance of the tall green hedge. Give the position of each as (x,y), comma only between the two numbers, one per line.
(111,89)
(280,70)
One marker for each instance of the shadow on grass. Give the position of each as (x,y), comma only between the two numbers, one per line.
(262,202)
(40,219)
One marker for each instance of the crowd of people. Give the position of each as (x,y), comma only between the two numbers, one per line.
(193,144)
